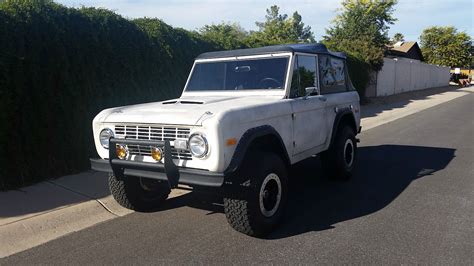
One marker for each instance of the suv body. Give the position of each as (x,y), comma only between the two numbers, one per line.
(239,107)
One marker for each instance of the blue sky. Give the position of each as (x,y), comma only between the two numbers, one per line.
(413,15)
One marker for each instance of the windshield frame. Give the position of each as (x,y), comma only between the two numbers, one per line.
(267,92)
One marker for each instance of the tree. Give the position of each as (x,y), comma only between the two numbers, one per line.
(361,29)
(280,29)
(446,46)
(397,37)
(472,56)
(226,35)
(276,29)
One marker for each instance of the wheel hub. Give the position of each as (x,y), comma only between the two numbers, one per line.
(270,195)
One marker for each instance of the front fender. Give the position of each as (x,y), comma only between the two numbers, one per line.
(245,143)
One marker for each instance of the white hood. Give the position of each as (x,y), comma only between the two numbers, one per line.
(183,111)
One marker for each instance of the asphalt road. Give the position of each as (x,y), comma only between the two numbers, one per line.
(411,200)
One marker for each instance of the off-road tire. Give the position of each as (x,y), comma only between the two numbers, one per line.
(131,194)
(335,160)
(242,204)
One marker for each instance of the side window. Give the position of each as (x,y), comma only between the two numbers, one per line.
(304,75)
(295,80)
(332,73)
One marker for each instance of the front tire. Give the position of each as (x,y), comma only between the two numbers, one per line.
(257,203)
(339,161)
(137,193)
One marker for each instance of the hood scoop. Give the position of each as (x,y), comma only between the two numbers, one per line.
(196,100)
(183,102)
(190,102)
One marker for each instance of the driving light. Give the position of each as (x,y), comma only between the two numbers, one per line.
(156,153)
(121,151)
(180,144)
(104,137)
(198,145)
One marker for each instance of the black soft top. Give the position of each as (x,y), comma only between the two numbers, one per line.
(310,48)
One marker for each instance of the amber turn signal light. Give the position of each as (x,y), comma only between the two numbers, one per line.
(231,142)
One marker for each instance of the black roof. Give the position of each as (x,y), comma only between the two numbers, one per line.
(310,48)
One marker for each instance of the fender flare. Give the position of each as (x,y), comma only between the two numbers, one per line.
(244,144)
(342,113)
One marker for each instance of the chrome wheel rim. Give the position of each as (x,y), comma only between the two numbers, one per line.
(270,195)
(349,152)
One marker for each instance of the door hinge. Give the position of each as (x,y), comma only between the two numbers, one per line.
(293,116)
(294,144)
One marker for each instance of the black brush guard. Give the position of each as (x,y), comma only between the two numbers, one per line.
(166,171)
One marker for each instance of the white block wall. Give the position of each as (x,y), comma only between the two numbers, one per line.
(402,75)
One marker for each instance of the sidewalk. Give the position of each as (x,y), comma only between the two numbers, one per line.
(383,110)
(40,213)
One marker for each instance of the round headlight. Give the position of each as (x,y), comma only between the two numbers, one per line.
(104,137)
(198,145)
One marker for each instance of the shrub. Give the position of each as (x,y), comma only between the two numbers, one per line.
(60,66)
(359,72)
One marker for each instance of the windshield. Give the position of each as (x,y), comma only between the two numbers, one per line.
(252,74)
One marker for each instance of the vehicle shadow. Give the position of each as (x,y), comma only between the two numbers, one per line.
(383,172)
(316,203)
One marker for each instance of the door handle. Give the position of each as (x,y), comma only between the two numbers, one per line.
(322,98)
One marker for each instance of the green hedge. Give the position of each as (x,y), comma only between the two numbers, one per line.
(359,72)
(60,66)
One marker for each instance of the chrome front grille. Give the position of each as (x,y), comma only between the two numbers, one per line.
(154,132)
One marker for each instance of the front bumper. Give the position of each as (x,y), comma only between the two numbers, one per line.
(166,171)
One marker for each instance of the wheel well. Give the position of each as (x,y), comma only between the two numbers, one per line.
(344,119)
(347,119)
(269,143)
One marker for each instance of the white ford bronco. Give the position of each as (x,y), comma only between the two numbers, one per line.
(244,117)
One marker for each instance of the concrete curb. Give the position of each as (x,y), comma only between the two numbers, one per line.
(51,209)
(40,213)
(40,229)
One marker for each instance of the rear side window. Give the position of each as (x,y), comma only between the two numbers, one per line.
(304,75)
(332,74)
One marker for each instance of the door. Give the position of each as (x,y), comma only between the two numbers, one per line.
(309,123)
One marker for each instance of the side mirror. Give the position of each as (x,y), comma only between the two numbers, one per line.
(310,91)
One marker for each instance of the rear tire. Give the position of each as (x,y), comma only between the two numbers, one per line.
(339,161)
(137,193)
(257,203)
